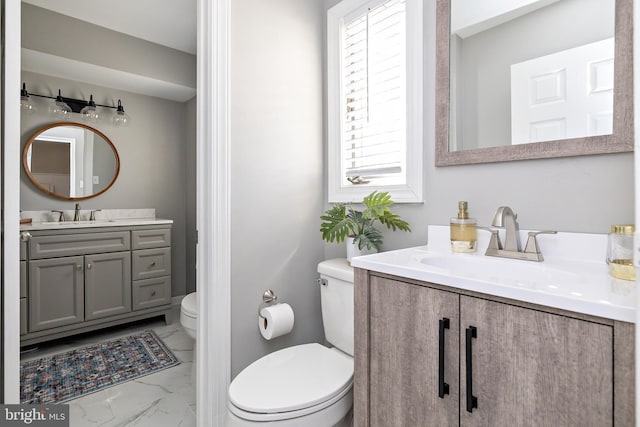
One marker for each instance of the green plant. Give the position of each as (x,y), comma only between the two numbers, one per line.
(342,221)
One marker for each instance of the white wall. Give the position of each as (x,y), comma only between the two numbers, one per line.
(276,168)
(580,194)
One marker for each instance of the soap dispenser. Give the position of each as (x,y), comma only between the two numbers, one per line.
(463,230)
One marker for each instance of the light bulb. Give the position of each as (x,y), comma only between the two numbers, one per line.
(89,113)
(26,104)
(60,108)
(120,118)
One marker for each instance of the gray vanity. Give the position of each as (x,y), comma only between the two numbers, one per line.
(87,275)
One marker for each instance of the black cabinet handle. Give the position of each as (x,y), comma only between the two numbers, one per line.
(472,401)
(443,388)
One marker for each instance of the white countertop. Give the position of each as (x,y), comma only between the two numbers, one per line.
(574,275)
(51,225)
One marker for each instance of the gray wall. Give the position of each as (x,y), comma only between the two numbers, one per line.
(276,168)
(580,194)
(49,32)
(190,186)
(153,160)
(157,151)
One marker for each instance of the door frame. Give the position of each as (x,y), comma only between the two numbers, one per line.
(213,254)
(213,212)
(11,201)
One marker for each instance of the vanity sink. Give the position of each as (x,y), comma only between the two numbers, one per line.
(518,273)
(573,276)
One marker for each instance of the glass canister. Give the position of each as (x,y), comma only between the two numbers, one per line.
(620,252)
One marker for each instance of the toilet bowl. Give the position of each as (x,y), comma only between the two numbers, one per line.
(189,322)
(308,385)
(189,314)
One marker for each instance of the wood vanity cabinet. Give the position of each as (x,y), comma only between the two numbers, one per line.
(431,355)
(78,280)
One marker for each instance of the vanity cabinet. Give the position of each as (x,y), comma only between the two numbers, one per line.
(431,355)
(78,280)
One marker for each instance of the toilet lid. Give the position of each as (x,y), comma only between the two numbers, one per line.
(291,379)
(190,305)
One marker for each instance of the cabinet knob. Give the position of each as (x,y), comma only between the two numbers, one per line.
(89,266)
(25,236)
(78,267)
(153,294)
(153,264)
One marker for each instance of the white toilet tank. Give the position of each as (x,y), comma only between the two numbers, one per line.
(336,298)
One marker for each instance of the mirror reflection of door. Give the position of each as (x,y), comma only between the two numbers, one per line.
(51,165)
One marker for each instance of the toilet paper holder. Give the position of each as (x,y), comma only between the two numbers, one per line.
(268,298)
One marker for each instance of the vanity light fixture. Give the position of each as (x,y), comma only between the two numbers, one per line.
(63,107)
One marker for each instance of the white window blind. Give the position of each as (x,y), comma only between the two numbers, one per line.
(374,126)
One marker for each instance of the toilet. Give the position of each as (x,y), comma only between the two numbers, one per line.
(306,385)
(189,321)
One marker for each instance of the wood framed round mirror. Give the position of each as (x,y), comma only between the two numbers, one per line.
(71,161)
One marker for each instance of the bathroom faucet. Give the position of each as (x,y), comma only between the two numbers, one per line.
(76,216)
(507,219)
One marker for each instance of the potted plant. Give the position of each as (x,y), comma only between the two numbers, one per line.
(343,222)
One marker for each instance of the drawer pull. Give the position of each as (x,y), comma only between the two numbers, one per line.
(153,264)
(443,387)
(153,293)
(472,401)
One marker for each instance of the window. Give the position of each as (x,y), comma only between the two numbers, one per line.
(375,99)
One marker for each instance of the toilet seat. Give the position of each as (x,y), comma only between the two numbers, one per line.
(291,382)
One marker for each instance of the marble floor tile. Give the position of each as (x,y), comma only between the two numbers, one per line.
(164,398)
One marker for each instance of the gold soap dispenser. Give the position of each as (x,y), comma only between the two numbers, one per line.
(464,233)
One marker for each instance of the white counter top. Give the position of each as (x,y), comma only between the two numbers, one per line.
(51,225)
(574,275)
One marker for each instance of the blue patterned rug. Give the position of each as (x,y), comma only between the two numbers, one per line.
(72,374)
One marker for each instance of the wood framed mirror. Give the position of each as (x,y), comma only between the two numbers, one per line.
(71,161)
(482,119)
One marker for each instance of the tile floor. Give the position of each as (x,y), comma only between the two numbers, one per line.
(165,398)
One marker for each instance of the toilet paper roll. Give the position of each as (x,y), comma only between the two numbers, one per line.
(277,320)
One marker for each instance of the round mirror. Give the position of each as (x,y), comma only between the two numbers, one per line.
(71,161)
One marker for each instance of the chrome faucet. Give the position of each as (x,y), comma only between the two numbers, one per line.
(76,215)
(507,219)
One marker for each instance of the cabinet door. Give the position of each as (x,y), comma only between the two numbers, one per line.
(107,284)
(56,292)
(404,355)
(534,368)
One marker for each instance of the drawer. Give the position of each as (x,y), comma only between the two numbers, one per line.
(147,239)
(150,263)
(23,250)
(23,316)
(23,279)
(78,244)
(151,292)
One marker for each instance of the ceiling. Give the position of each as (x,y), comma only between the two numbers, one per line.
(169,23)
